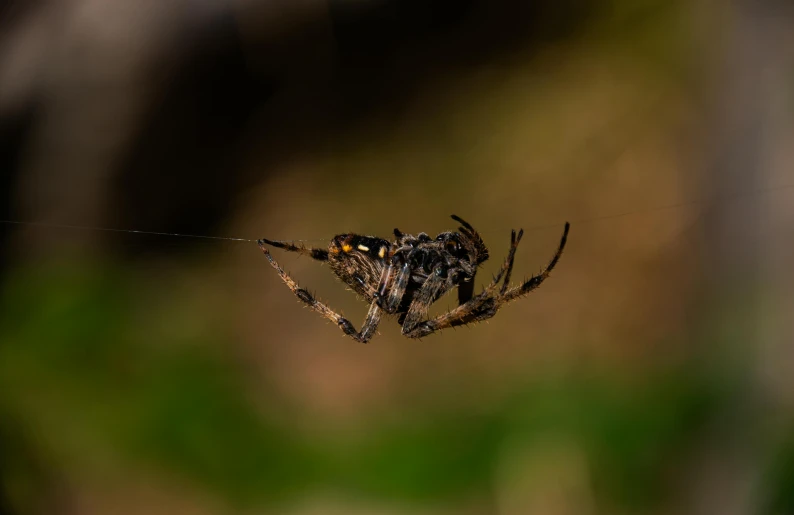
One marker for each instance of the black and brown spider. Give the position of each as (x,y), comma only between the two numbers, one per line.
(405,276)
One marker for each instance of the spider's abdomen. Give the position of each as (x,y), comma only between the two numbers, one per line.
(358,261)
(362,246)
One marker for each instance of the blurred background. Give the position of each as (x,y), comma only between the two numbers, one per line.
(653,373)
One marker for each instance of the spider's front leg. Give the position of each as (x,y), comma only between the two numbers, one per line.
(370,322)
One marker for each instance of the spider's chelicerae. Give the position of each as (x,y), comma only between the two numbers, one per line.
(405,276)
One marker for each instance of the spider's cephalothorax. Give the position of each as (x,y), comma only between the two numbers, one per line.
(405,276)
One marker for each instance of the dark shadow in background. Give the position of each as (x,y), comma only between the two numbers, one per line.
(186,163)
(14,131)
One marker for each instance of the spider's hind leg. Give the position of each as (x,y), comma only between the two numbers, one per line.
(370,322)
(534,282)
(514,241)
(318,254)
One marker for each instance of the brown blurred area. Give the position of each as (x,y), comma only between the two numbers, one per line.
(153,374)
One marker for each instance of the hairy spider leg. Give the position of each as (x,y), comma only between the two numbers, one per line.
(535,281)
(397,291)
(370,322)
(464,223)
(420,305)
(378,293)
(318,254)
(514,241)
(466,288)
(472,233)
(484,306)
(385,281)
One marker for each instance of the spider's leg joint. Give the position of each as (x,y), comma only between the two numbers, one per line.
(304,295)
(346,326)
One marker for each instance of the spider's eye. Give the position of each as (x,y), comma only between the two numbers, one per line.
(453,246)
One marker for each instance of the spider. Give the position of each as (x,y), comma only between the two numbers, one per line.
(405,276)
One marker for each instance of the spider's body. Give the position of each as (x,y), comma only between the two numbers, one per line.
(405,276)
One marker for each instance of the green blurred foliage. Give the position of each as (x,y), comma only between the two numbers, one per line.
(779,478)
(76,376)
